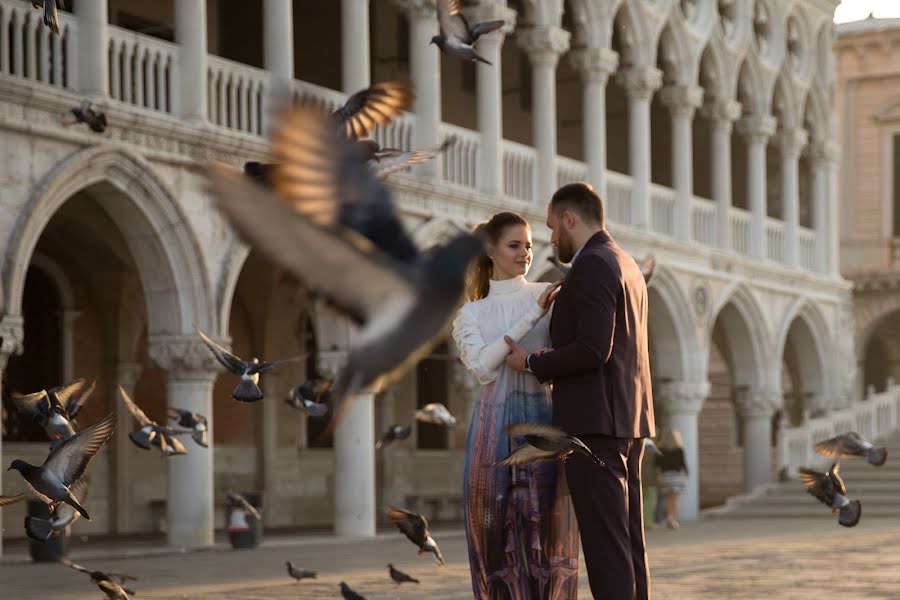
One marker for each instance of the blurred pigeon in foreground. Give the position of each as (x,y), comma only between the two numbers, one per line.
(247,389)
(852,445)
(394,432)
(298,573)
(64,466)
(193,421)
(349,594)
(86,114)
(544,442)
(436,414)
(399,576)
(55,409)
(151,433)
(325,197)
(238,500)
(647,267)
(109,583)
(311,397)
(377,104)
(457,35)
(829,489)
(415,527)
(51,16)
(41,530)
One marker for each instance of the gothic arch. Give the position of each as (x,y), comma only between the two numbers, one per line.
(744,323)
(671,323)
(805,321)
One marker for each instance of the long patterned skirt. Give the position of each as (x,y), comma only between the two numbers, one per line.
(520,524)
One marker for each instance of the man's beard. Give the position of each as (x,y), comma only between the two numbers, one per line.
(564,248)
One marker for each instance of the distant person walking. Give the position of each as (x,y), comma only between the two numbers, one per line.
(673,472)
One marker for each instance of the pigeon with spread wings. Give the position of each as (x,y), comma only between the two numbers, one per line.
(544,442)
(55,409)
(41,530)
(378,104)
(87,114)
(311,397)
(152,433)
(110,583)
(457,34)
(829,489)
(394,432)
(331,224)
(196,422)
(415,527)
(852,445)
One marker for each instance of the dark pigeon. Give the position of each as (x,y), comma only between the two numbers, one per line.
(298,573)
(415,527)
(197,423)
(829,489)
(852,445)
(311,397)
(41,530)
(151,433)
(109,583)
(399,576)
(349,594)
(55,409)
(457,35)
(394,432)
(86,114)
(544,442)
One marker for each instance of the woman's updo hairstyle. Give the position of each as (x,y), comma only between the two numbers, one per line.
(479,280)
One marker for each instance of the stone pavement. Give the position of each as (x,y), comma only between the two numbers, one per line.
(709,560)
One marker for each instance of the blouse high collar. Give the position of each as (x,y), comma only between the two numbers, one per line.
(506,286)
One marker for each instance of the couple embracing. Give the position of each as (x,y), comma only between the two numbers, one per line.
(588,338)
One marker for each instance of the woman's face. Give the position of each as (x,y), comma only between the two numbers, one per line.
(511,254)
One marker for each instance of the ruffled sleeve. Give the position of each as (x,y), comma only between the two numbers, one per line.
(484,358)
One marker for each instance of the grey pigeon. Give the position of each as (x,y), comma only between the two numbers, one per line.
(151,433)
(399,576)
(394,432)
(544,442)
(41,530)
(378,104)
(647,267)
(64,466)
(385,161)
(829,489)
(247,389)
(196,422)
(435,413)
(311,397)
(331,224)
(86,114)
(852,445)
(56,408)
(349,594)
(109,583)
(51,16)
(415,527)
(457,35)
(238,500)
(298,573)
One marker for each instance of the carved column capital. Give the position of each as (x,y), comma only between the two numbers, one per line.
(544,44)
(184,356)
(682,100)
(418,8)
(757,403)
(757,128)
(594,64)
(12,337)
(683,397)
(722,114)
(640,83)
(492,12)
(792,141)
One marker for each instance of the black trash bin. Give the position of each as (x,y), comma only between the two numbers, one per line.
(54,549)
(244,530)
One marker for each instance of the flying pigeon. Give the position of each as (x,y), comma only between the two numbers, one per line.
(349,594)
(650,445)
(415,527)
(647,267)
(41,530)
(385,161)
(852,445)
(394,432)
(315,227)
(195,422)
(378,104)
(311,397)
(299,574)
(109,583)
(829,489)
(238,500)
(247,389)
(84,113)
(544,442)
(64,466)
(151,433)
(56,408)
(457,35)
(399,576)
(51,17)
(436,414)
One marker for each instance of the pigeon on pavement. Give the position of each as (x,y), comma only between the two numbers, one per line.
(298,573)
(852,445)
(829,489)
(247,389)
(315,225)
(64,466)
(399,576)
(55,409)
(457,35)
(193,421)
(394,432)
(544,442)
(311,397)
(85,113)
(109,583)
(41,530)
(51,16)
(151,433)
(238,500)
(415,527)
(436,414)
(349,594)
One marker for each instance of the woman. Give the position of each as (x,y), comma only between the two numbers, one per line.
(520,526)
(673,472)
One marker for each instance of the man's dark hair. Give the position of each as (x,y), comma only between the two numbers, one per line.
(580,198)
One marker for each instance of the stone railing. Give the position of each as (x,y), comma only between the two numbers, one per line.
(873,418)
(662,209)
(774,240)
(569,170)
(740,230)
(141,69)
(703,221)
(618,197)
(807,239)
(30,50)
(459,162)
(518,170)
(235,95)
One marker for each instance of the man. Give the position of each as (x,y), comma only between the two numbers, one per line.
(600,371)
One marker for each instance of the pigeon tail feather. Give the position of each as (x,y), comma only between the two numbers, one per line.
(39,530)
(480,58)
(877,456)
(74,504)
(141,438)
(247,391)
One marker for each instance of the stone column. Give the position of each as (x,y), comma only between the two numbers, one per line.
(67,318)
(355,63)
(272,385)
(191,85)
(489,91)
(721,117)
(595,65)
(682,401)
(278,51)
(832,240)
(791,143)
(682,102)
(93,49)
(757,129)
(12,336)
(756,408)
(819,208)
(544,44)
(639,83)
(125,374)
(190,373)
(354,460)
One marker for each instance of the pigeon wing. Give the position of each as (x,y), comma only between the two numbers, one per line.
(479,29)
(69,460)
(271,364)
(817,484)
(835,480)
(75,566)
(75,395)
(228,360)
(841,446)
(392,160)
(139,416)
(524,455)
(413,526)
(452,22)
(36,404)
(376,105)
(545,431)
(7,500)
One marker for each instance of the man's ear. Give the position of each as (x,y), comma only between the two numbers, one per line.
(569,219)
